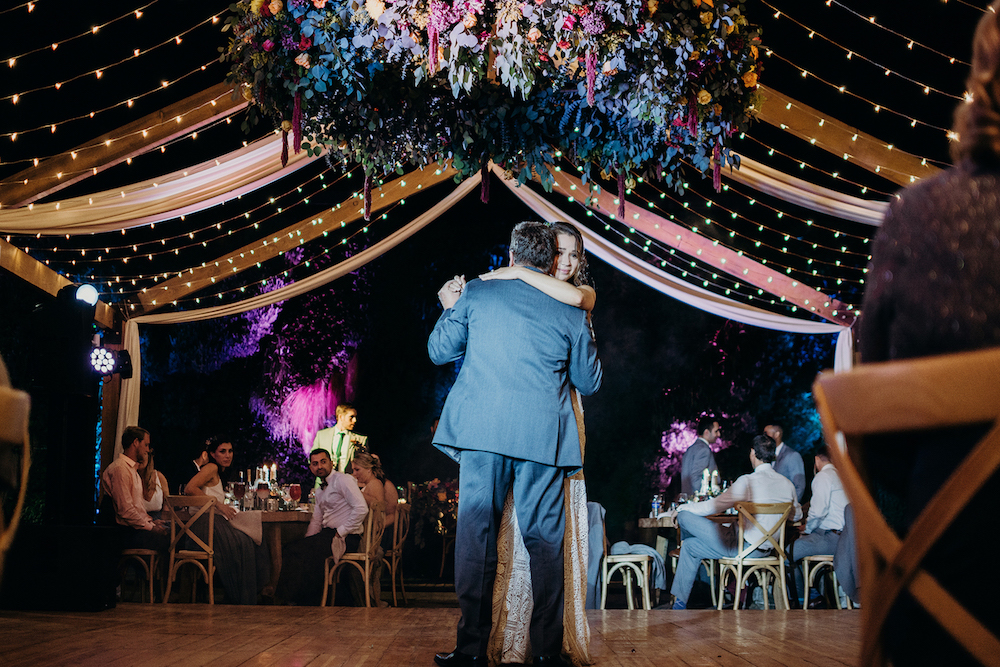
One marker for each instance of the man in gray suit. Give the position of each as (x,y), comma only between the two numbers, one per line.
(699,456)
(787,461)
(509,423)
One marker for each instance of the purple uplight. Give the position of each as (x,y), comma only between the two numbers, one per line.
(306,410)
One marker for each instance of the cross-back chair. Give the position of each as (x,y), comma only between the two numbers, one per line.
(744,564)
(364,560)
(181,526)
(915,395)
(393,558)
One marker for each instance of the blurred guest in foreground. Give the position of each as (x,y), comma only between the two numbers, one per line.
(934,288)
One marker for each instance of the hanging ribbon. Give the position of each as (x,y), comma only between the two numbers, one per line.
(717,167)
(297,123)
(284,148)
(432,45)
(368,196)
(591,76)
(621,194)
(692,124)
(484,186)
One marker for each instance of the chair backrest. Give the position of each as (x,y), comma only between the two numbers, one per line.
(401,528)
(374,527)
(182,522)
(773,537)
(912,395)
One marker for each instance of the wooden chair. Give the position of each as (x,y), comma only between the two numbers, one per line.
(181,523)
(709,564)
(393,558)
(364,560)
(744,564)
(913,395)
(148,559)
(638,566)
(812,567)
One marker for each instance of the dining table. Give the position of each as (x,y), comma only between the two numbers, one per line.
(280,527)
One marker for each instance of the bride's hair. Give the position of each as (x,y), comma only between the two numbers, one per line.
(977,122)
(582,277)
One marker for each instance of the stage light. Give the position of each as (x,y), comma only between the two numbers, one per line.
(102,360)
(87,293)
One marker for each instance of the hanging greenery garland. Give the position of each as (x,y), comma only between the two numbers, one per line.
(620,85)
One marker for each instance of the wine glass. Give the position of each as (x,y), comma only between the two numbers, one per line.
(295,492)
(263,492)
(239,490)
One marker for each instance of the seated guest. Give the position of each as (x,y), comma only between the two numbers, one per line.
(703,538)
(243,565)
(699,457)
(154,487)
(826,517)
(120,481)
(787,461)
(367,470)
(337,523)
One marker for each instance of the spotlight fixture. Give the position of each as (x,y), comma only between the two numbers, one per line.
(103,361)
(88,294)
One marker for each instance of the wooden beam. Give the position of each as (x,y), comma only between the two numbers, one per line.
(841,139)
(277,243)
(141,136)
(26,267)
(711,252)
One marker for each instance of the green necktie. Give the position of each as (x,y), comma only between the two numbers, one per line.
(340,443)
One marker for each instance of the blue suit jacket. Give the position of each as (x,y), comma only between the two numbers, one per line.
(521,352)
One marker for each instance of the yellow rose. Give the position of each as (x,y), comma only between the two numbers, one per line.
(286,125)
(717,109)
(275,6)
(255,6)
(247,93)
(750,79)
(302,59)
(753,52)
(730,27)
(652,5)
(534,34)
(469,21)
(704,97)
(706,18)
(694,55)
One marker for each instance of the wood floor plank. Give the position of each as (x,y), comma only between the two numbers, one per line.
(196,635)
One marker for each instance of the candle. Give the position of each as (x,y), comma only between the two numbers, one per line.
(274,472)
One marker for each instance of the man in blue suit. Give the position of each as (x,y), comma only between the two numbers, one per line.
(509,423)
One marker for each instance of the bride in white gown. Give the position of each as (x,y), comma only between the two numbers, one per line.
(512,601)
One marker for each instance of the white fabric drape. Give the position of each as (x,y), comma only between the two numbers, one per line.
(803,193)
(128,403)
(170,196)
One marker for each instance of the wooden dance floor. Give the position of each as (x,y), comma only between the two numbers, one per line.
(184,634)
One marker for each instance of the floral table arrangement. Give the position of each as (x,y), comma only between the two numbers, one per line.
(434,506)
(631,87)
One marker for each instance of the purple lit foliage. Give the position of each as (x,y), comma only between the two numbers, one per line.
(673,443)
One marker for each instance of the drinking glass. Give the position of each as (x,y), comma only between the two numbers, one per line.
(295,492)
(263,492)
(239,490)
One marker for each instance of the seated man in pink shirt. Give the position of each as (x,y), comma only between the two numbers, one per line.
(120,481)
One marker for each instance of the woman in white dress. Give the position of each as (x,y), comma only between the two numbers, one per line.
(154,486)
(512,601)
(243,565)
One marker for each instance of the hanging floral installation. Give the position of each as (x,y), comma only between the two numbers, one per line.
(631,87)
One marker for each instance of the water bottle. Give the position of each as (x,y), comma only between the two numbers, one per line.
(656,503)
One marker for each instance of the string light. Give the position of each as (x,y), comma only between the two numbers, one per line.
(99,71)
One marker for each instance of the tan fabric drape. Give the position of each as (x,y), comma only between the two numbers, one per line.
(169,196)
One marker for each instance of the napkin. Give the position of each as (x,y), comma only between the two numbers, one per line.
(249,523)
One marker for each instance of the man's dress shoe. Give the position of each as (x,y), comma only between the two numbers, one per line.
(456,659)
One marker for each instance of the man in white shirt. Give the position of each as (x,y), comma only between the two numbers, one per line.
(339,515)
(120,481)
(703,538)
(826,516)
(787,461)
(340,440)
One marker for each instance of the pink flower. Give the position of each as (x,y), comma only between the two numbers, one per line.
(268,45)
(302,59)
(539,2)
(305,43)
(534,34)
(563,44)
(569,22)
